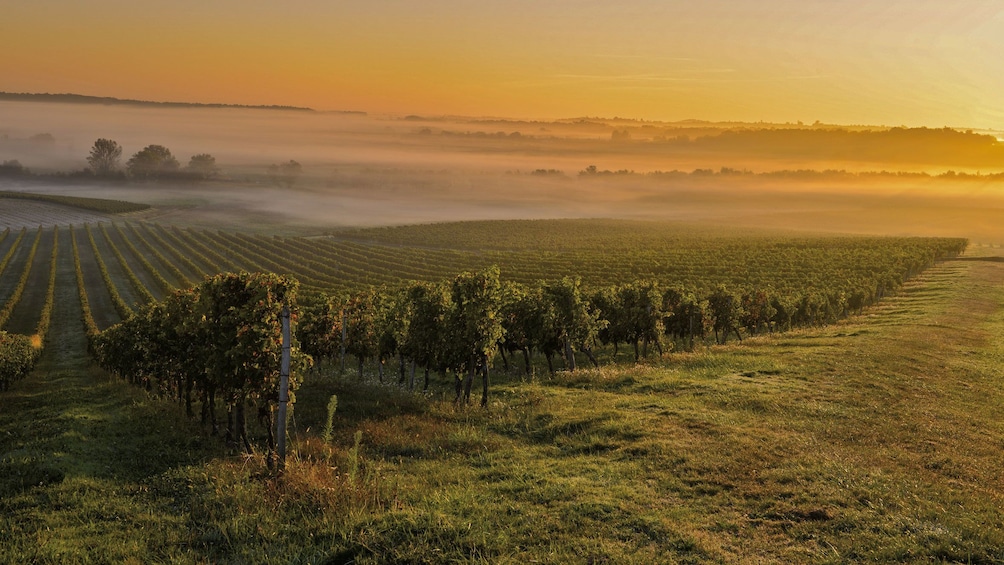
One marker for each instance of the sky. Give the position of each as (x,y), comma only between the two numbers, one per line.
(879,62)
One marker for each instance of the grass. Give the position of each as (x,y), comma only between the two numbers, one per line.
(876,439)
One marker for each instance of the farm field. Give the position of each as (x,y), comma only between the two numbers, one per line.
(868,439)
(367,283)
(17,214)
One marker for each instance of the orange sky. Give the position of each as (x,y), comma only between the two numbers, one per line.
(919,62)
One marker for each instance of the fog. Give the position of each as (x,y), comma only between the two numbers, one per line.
(381,170)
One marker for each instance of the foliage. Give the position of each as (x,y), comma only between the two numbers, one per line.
(94,204)
(17,357)
(90,327)
(285,174)
(104,157)
(12,168)
(124,310)
(203,165)
(151,162)
(221,339)
(18,290)
(726,310)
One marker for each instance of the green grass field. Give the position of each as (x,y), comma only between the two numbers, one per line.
(875,439)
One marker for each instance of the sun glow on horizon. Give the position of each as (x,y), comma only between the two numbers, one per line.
(854,62)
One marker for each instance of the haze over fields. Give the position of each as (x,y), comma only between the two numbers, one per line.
(363,169)
(782,85)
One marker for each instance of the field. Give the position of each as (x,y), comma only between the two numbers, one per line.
(873,437)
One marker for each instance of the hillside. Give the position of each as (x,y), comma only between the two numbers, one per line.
(870,440)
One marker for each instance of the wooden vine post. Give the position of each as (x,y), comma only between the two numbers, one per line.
(344,317)
(283,390)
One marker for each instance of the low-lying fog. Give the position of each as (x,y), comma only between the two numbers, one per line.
(378,170)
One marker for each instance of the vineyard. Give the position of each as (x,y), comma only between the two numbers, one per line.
(772,450)
(624,282)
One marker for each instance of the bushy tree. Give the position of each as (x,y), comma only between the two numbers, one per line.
(285,174)
(203,166)
(151,162)
(104,157)
(12,168)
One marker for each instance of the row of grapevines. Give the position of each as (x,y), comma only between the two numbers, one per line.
(159,279)
(90,327)
(15,295)
(144,294)
(213,258)
(95,204)
(18,353)
(551,318)
(42,329)
(17,357)
(183,280)
(303,266)
(251,253)
(181,250)
(123,309)
(219,340)
(13,249)
(346,271)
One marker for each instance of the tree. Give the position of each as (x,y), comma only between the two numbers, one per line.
(203,165)
(104,157)
(285,174)
(153,161)
(12,168)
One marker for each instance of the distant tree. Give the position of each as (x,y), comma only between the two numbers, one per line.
(152,161)
(104,157)
(43,139)
(12,168)
(285,174)
(203,165)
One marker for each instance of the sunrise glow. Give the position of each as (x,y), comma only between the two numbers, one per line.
(914,63)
